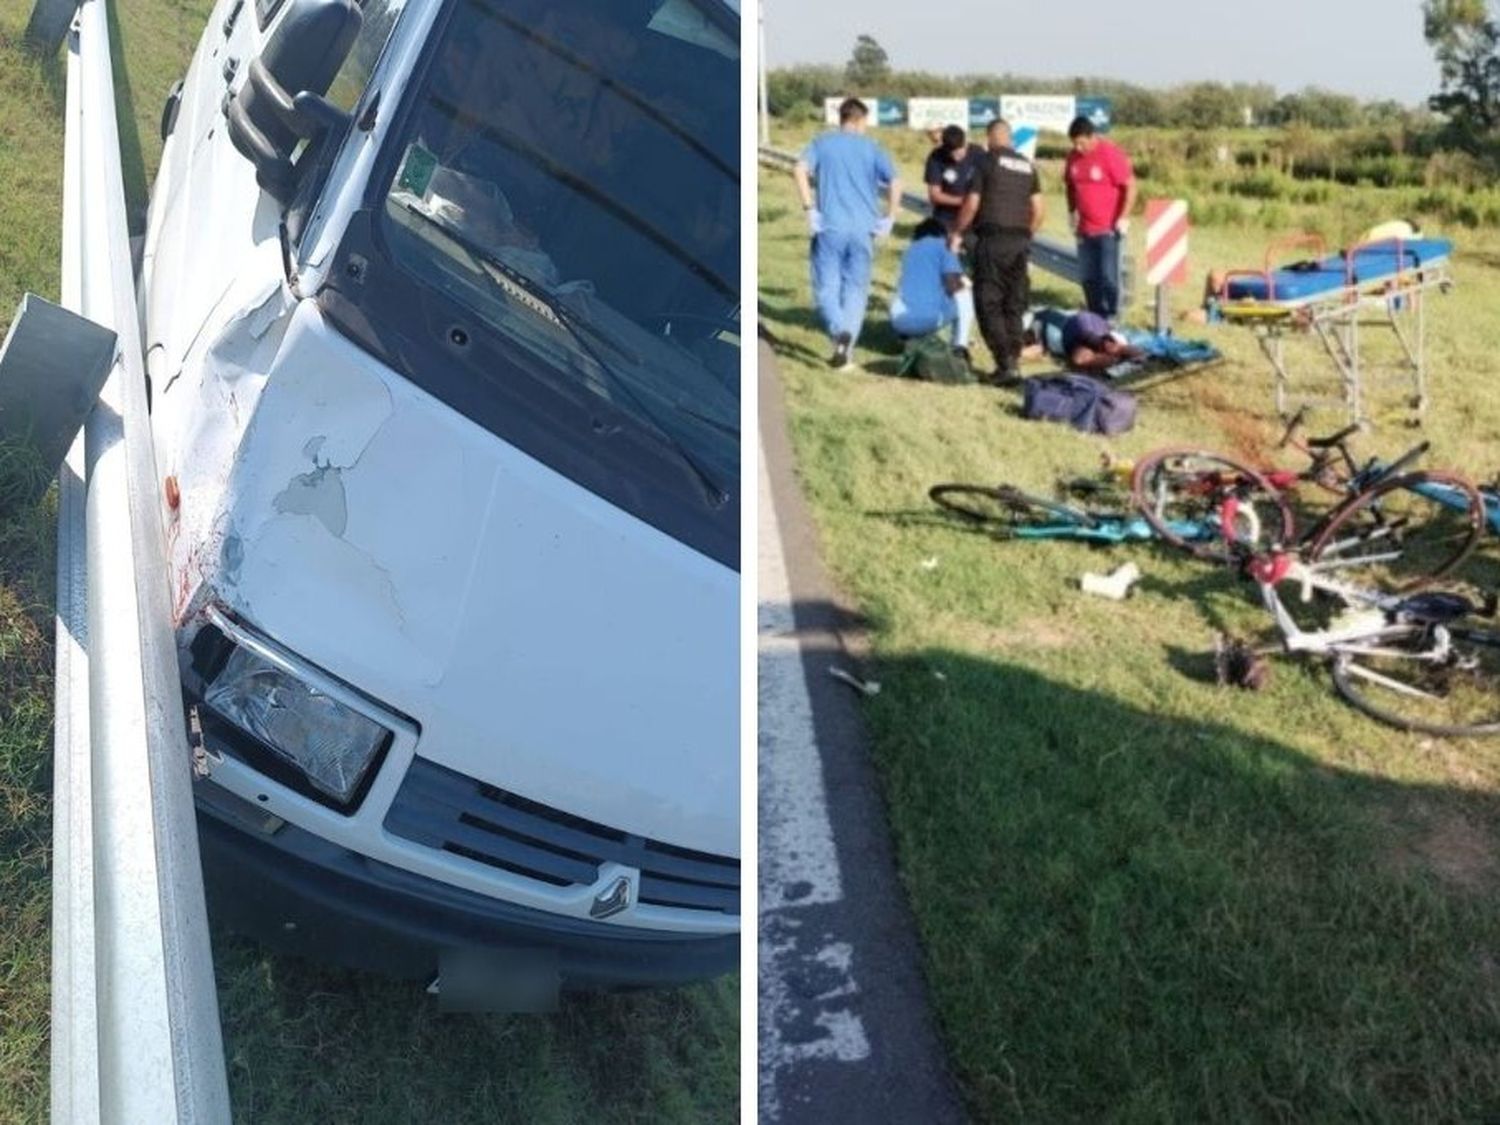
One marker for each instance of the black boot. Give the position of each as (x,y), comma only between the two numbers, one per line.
(840,357)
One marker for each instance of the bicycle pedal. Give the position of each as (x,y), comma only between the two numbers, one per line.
(1238,664)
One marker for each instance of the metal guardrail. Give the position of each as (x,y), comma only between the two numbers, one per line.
(1047,253)
(49,23)
(135,1019)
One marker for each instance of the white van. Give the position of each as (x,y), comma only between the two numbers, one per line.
(441,305)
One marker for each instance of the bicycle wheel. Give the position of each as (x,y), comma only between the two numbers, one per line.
(1430,681)
(1403,533)
(1183,494)
(1004,509)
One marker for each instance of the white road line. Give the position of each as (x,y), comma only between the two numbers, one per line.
(798,861)
(799,866)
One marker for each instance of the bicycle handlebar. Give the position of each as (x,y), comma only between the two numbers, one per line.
(1405,459)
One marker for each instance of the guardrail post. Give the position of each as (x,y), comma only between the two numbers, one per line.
(48,24)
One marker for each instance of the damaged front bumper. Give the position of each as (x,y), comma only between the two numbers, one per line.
(298,893)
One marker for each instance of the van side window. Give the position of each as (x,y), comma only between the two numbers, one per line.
(350,82)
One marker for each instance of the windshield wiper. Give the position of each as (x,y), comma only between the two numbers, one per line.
(580,330)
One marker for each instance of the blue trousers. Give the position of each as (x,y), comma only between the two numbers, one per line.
(841,263)
(1099,262)
(957,315)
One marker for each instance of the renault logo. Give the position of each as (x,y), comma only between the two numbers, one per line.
(612,900)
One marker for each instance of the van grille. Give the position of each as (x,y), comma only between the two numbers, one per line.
(442,808)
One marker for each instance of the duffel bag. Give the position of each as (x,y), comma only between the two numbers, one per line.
(931,357)
(1084,403)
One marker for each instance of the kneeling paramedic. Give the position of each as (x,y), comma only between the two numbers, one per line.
(933,292)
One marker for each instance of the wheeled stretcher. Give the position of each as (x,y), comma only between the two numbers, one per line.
(1377,285)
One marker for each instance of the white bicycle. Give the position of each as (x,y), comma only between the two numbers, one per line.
(1426,662)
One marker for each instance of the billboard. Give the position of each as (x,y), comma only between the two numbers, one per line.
(1100,111)
(889,111)
(982,111)
(934,113)
(1028,113)
(1051,113)
(883,111)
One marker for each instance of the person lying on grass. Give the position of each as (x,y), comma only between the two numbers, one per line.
(1082,340)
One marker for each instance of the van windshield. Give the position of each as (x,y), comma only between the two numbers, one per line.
(570,174)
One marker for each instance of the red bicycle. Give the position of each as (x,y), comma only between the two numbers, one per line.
(1402,528)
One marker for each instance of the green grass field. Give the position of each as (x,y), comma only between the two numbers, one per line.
(30,248)
(1142,897)
(303,1043)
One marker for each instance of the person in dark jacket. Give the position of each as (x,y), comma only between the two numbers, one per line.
(949,172)
(1004,207)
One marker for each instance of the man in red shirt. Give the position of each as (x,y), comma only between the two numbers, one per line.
(1101,195)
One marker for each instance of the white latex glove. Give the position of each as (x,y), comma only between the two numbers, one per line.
(814,221)
(1122,228)
(884,227)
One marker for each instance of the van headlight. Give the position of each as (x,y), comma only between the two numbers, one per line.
(330,743)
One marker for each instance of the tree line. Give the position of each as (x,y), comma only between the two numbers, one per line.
(799,91)
(1463,114)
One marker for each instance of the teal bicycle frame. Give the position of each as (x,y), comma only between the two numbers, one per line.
(1079,525)
(1452,498)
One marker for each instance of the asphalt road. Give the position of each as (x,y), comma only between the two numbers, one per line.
(846,1031)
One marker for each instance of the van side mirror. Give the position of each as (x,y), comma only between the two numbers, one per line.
(281,102)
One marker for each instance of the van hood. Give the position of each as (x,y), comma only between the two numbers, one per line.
(544,641)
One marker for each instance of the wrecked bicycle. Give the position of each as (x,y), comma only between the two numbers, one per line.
(1402,527)
(1418,660)
(1427,661)
(1010,513)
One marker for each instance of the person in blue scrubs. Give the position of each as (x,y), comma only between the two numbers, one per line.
(933,292)
(845,218)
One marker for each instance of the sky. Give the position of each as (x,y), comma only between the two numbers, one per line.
(1369,48)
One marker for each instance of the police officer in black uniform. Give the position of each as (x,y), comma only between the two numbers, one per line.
(1004,207)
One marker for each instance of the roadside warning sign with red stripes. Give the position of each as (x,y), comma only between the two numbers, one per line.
(1166,241)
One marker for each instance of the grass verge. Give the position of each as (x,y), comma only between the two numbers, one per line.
(30,248)
(1140,897)
(26,545)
